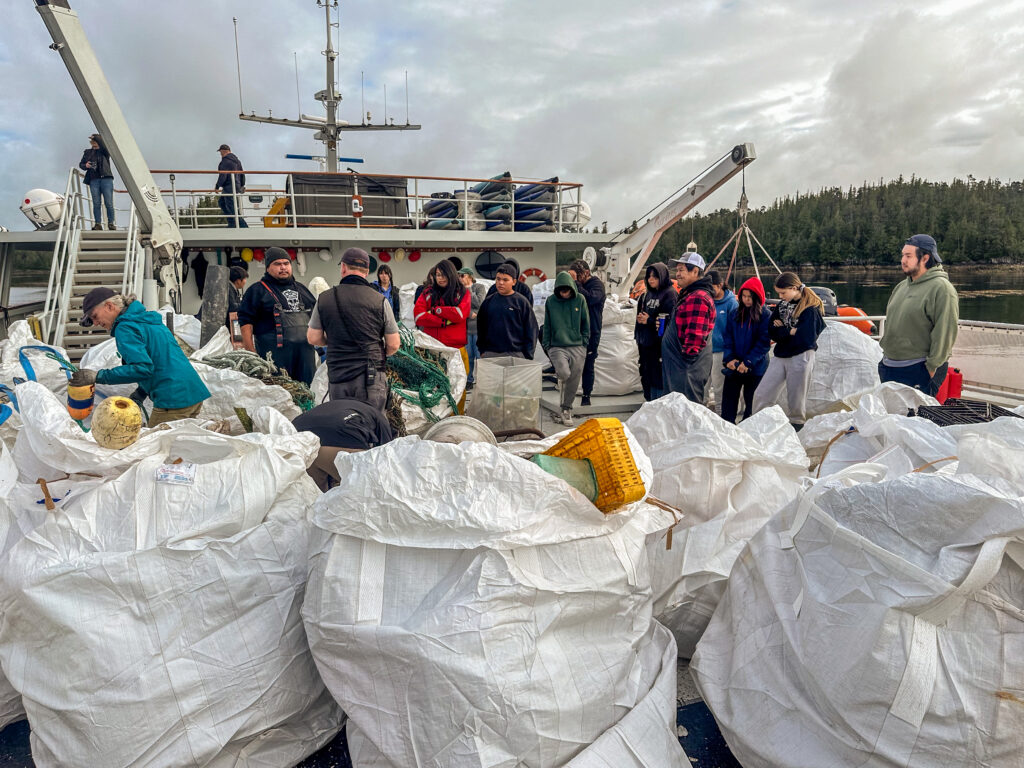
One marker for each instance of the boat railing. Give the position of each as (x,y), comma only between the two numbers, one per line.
(131,278)
(275,199)
(62,266)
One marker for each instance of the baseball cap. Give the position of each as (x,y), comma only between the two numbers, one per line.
(927,244)
(690,260)
(224,146)
(275,254)
(356,257)
(466,271)
(93,299)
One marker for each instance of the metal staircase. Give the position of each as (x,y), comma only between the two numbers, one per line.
(100,261)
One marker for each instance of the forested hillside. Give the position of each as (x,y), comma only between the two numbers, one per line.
(973,221)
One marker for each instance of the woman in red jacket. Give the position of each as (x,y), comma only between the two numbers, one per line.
(443,310)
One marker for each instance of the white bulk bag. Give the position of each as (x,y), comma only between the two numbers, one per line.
(845,364)
(616,369)
(879,625)
(19,359)
(468,609)
(155,620)
(416,422)
(727,480)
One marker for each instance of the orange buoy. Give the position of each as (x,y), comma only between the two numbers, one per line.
(865,326)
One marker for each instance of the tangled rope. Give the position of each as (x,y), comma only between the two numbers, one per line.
(264,370)
(419,376)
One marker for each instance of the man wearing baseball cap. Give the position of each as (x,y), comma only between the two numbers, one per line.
(686,352)
(230,182)
(274,314)
(920,320)
(356,324)
(150,356)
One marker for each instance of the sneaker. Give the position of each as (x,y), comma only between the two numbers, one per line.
(585,401)
(96,227)
(567,417)
(469,385)
(112,227)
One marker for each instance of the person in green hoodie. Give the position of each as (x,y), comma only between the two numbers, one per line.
(920,320)
(565,337)
(150,356)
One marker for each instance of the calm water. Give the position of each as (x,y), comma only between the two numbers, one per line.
(986,293)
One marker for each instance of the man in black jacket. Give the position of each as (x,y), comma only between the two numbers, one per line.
(356,324)
(229,184)
(274,315)
(505,324)
(342,426)
(100,178)
(592,289)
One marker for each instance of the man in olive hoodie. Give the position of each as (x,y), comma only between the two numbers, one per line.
(566,332)
(920,320)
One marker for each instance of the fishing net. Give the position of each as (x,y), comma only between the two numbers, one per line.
(256,367)
(418,376)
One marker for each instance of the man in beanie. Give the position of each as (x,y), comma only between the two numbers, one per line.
(150,357)
(230,182)
(357,325)
(274,314)
(920,320)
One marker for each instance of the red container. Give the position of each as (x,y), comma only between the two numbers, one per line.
(952,386)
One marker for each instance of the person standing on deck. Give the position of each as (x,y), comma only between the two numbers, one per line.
(100,179)
(385,283)
(566,330)
(274,315)
(506,325)
(230,182)
(356,324)
(745,344)
(591,289)
(477,294)
(653,310)
(725,302)
(686,343)
(920,320)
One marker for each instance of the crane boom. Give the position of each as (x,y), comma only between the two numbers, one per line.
(617,268)
(70,42)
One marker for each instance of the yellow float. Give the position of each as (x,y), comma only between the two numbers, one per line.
(116,423)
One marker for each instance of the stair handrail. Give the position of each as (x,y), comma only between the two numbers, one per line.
(130,277)
(68,229)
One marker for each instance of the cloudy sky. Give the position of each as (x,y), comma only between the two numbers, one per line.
(629,98)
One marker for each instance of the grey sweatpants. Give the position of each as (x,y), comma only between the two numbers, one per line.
(568,363)
(795,374)
(716,384)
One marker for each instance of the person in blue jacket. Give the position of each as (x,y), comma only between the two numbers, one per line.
(150,356)
(746,338)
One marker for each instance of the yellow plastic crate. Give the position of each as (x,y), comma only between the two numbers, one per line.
(603,441)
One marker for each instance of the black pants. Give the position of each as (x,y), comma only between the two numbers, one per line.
(298,359)
(227,205)
(734,383)
(915,376)
(588,364)
(650,371)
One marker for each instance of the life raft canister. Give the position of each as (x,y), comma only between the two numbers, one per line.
(865,326)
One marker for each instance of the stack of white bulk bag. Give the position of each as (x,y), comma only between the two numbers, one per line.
(880,623)
(466,609)
(616,370)
(153,618)
(727,480)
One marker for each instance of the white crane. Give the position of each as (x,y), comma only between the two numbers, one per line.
(612,264)
(159,234)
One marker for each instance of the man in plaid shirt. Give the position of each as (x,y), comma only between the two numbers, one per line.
(686,352)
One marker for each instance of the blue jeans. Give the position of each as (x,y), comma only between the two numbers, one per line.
(474,352)
(915,376)
(102,188)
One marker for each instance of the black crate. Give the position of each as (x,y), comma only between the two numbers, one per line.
(963,412)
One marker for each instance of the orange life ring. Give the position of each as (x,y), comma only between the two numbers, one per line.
(865,326)
(532,272)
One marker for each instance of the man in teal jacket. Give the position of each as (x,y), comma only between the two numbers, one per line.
(150,356)
(920,320)
(565,337)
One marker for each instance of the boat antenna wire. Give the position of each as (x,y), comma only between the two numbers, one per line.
(671,195)
(238,66)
